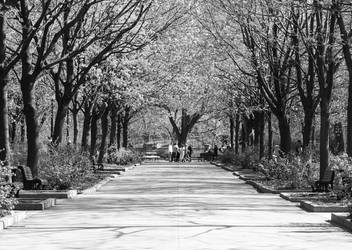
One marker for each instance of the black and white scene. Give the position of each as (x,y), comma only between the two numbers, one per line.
(175,124)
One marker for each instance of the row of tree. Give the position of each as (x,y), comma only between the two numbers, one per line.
(283,57)
(62,47)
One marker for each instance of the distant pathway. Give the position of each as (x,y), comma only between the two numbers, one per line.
(172,207)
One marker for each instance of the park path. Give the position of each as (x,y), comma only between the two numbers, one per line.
(174,207)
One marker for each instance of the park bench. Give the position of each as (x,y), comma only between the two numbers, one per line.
(151,156)
(323,185)
(22,176)
(96,166)
(207,156)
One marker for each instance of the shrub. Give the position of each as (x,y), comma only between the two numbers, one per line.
(122,156)
(248,159)
(64,167)
(7,202)
(227,157)
(295,171)
(342,165)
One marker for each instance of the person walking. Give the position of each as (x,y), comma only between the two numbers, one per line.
(215,153)
(190,151)
(170,152)
(174,152)
(177,153)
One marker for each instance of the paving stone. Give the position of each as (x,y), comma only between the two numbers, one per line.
(176,207)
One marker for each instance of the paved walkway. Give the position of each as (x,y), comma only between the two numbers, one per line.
(172,207)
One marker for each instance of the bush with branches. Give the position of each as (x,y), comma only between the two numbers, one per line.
(293,171)
(7,191)
(64,167)
(122,156)
(342,165)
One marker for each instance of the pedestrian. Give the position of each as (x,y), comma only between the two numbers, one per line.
(174,152)
(177,153)
(215,153)
(170,152)
(190,151)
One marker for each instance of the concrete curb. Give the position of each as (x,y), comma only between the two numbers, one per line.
(342,221)
(12,219)
(98,185)
(313,207)
(46,194)
(286,196)
(223,166)
(261,188)
(34,204)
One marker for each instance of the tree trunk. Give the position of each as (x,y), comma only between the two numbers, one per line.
(13,131)
(75,127)
(232,125)
(125,130)
(307,129)
(113,119)
(86,130)
(187,124)
(312,140)
(23,130)
(4,120)
(261,135)
(28,78)
(4,123)
(324,136)
(270,137)
(285,134)
(118,132)
(104,129)
(62,109)
(52,120)
(68,126)
(32,126)
(346,48)
(237,130)
(93,133)
(349,117)
(243,138)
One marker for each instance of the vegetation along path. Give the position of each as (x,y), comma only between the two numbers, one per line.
(165,206)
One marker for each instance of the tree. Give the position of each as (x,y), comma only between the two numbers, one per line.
(103,38)
(327,65)
(8,59)
(181,76)
(341,6)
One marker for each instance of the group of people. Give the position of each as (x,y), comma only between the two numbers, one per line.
(180,153)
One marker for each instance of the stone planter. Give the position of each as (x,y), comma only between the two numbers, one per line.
(12,219)
(312,206)
(45,194)
(342,221)
(35,204)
